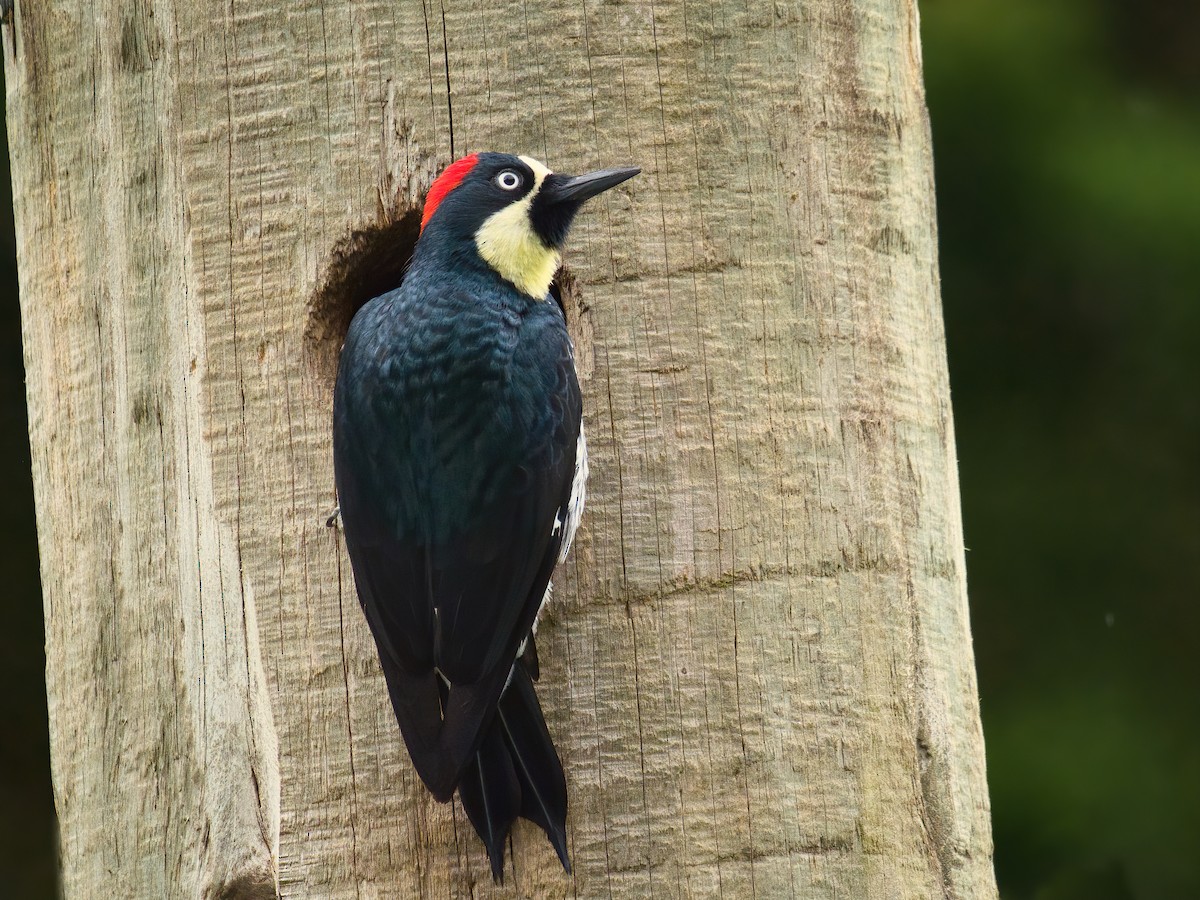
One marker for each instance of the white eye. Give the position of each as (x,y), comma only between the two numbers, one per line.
(509,180)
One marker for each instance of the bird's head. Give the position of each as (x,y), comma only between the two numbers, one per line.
(512,212)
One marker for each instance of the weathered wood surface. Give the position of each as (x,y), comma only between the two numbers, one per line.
(758,669)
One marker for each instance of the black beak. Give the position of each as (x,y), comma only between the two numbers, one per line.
(575,189)
(561,196)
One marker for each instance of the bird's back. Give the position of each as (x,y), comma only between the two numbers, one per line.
(455,424)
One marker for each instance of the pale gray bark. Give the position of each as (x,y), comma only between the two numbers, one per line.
(758,666)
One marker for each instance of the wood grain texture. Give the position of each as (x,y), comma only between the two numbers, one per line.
(758,667)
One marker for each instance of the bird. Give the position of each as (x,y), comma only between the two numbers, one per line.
(460,467)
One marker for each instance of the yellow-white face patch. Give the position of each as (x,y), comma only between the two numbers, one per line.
(508,242)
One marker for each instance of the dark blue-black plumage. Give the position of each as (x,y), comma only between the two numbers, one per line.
(457,417)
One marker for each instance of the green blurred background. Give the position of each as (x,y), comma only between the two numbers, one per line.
(1067,149)
(1067,145)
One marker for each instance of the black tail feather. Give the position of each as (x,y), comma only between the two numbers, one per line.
(543,784)
(491,795)
(516,772)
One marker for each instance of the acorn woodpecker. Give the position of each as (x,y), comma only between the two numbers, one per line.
(460,465)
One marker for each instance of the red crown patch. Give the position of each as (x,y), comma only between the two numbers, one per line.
(446,182)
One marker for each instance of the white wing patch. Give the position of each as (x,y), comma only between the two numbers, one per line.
(574,510)
(567,518)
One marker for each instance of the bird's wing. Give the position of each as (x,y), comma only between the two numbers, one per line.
(450,524)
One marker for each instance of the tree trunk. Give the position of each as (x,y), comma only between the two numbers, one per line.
(758,667)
